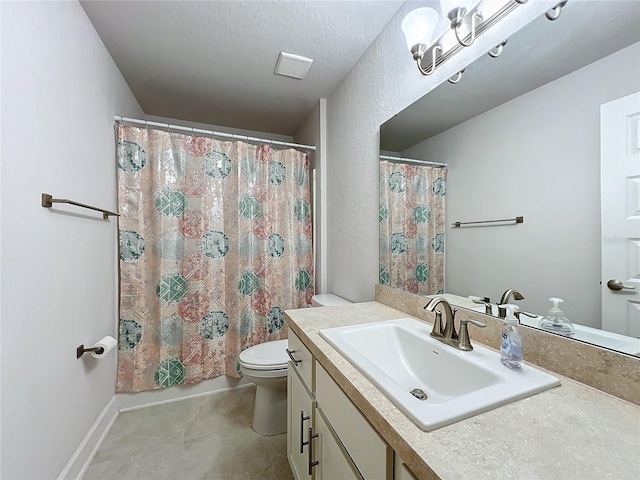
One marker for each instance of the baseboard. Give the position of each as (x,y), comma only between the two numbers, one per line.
(134,401)
(82,457)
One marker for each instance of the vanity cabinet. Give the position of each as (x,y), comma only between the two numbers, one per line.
(328,438)
(335,463)
(300,408)
(301,359)
(401,472)
(368,451)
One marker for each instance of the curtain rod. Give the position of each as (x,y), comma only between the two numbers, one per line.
(412,160)
(233,136)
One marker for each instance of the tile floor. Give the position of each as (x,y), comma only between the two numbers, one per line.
(202,438)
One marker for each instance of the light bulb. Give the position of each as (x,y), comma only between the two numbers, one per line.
(419,26)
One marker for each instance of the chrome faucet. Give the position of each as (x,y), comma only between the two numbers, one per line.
(449,314)
(447,334)
(506,296)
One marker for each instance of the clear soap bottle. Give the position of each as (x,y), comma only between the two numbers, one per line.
(510,339)
(556,322)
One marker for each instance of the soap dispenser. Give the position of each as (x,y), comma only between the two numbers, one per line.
(556,322)
(510,340)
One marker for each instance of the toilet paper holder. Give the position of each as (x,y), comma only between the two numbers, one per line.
(81,350)
(99,349)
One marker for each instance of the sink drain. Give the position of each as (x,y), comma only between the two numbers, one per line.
(419,394)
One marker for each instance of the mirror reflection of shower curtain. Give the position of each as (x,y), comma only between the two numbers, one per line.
(412,221)
(215,243)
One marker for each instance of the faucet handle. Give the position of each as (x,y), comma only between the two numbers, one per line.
(527,314)
(474,322)
(437,324)
(463,337)
(483,301)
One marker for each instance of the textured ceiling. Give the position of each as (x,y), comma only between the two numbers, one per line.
(541,52)
(213,61)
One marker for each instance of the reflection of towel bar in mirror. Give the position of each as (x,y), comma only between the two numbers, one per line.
(48,201)
(514,220)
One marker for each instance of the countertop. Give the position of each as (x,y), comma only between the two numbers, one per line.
(569,432)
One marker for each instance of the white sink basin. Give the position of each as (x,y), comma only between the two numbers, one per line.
(399,356)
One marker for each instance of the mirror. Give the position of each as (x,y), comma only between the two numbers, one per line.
(520,135)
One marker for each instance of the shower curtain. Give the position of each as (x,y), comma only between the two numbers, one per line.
(412,216)
(215,243)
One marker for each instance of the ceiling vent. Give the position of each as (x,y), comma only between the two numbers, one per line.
(291,65)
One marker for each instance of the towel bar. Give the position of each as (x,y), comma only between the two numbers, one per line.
(515,220)
(48,201)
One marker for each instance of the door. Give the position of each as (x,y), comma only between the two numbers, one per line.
(620,203)
(334,463)
(300,406)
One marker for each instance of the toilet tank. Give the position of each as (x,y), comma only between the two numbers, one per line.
(327,300)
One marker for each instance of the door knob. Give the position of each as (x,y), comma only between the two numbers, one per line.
(615,284)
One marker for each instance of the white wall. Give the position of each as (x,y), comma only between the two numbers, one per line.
(537,156)
(313,131)
(60,90)
(383,82)
(217,128)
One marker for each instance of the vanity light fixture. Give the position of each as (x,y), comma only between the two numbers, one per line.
(497,50)
(419,27)
(554,13)
(457,77)
(456,11)
(424,35)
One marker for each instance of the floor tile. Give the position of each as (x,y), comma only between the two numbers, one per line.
(223,411)
(121,449)
(277,447)
(240,452)
(207,437)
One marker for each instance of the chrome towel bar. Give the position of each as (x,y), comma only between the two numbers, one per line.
(514,220)
(48,201)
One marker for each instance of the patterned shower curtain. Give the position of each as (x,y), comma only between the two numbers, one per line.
(412,216)
(215,242)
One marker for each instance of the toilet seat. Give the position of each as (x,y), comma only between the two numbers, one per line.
(265,356)
(254,375)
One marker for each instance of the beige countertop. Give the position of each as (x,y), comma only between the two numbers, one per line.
(569,432)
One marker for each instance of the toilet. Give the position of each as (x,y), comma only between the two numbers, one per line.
(327,300)
(266,366)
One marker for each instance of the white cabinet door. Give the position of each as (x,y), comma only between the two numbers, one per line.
(333,462)
(401,471)
(369,452)
(300,405)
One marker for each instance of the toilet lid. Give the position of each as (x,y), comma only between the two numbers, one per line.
(327,300)
(265,356)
